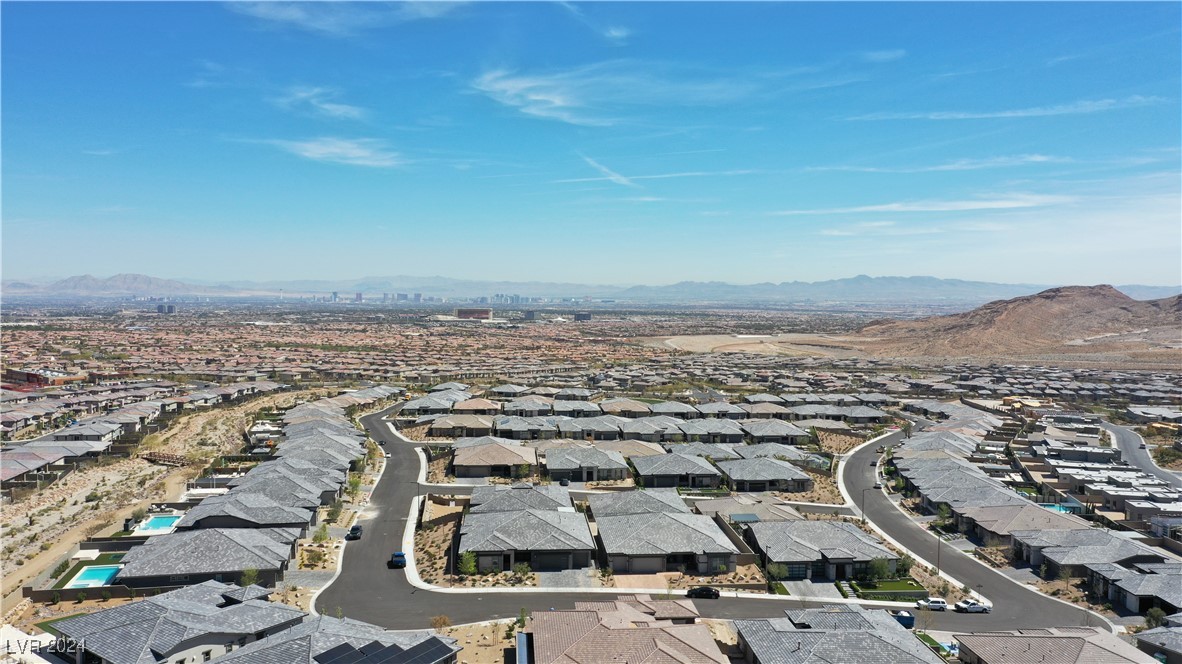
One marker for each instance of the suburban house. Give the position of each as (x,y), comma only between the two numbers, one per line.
(625,407)
(529,406)
(461,426)
(476,406)
(622,630)
(835,633)
(600,427)
(675,409)
(722,409)
(993,525)
(213,554)
(545,539)
(203,622)
(576,409)
(665,541)
(1073,550)
(765,474)
(775,431)
(713,430)
(1163,643)
(526,428)
(748,508)
(1138,587)
(834,550)
(644,501)
(324,640)
(502,498)
(712,451)
(1051,644)
(507,392)
(676,470)
(586,464)
(494,459)
(246,510)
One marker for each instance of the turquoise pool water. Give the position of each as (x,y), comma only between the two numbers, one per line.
(1054,507)
(95,575)
(160,522)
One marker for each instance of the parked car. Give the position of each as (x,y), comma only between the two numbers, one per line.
(702,592)
(387,455)
(1142,445)
(397,560)
(932,604)
(878,485)
(354,533)
(971,606)
(564,482)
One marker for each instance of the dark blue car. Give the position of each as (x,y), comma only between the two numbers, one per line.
(397,560)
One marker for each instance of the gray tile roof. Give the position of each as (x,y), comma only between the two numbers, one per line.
(660,533)
(799,541)
(674,464)
(644,501)
(877,639)
(525,530)
(716,451)
(151,630)
(250,507)
(501,498)
(761,470)
(302,643)
(207,551)
(573,458)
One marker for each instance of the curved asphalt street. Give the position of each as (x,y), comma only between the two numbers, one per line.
(1014,606)
(1129,444)
(366,590)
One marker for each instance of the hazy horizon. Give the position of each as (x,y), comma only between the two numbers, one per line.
(595,143)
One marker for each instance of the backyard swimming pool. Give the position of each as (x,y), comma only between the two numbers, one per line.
(95,575)
(158,524)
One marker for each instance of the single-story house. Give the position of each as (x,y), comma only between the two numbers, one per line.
(676,470)
(833,550)
(765,474)
(494,459)
(546,540)
(586,464)
(665,541)
(212,554)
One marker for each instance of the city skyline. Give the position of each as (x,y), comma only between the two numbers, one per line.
(604,143)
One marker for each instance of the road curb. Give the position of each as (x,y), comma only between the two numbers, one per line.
(341,551)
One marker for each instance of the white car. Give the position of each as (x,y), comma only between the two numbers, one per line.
(971,606)
(932,604)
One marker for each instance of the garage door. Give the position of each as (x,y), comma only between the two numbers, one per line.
(648,565)
(543,562)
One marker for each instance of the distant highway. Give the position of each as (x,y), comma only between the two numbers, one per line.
(1129,444)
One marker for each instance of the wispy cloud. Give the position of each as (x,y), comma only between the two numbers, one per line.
(613,33)
(318,101)
(957,165)
(370,152)
(884,56)
(664,176)
(595,95)
(1009,202)
(1074,108)
(340,19)
(609,174)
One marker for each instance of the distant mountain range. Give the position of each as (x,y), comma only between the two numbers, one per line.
(855,289)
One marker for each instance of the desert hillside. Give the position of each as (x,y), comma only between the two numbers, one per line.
(1068,320)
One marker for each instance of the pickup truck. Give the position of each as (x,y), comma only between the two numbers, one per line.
(971,606)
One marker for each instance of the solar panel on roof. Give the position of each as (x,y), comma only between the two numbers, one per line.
(744,518)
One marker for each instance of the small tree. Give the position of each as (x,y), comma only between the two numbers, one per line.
(944,513)
(467,565)
(906,562)
(878,569)
(106,595)
(250,576)
(440,623)
(522,571)
(777,571)
(80,597)
(521,471)
(1065,577)
(139,514)
(1154,618)
(521,616)
(321,534)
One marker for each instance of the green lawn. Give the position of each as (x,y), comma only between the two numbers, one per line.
(931,642)
(780,589)
(890,586)
(103,559)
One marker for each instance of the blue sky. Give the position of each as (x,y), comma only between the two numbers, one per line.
(594,142)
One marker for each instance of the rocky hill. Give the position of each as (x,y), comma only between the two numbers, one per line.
(1068,320)
(125,284)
